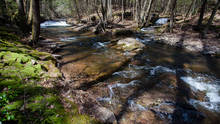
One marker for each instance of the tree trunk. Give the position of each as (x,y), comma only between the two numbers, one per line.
(143,11)
(77,9)
(167,7)
(136,10)
(211,18)
(190,7)
(109,11)
(149,10)
(172,15)
(202,11)
(30,14)
(103,10)
(36,21)
(122,11)
(3,7)
(193,7)
(133,10)
(20,4)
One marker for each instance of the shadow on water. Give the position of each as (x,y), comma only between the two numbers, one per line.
(183,113)
(213,61)
(145,87)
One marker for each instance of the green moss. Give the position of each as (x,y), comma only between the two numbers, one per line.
(74,117)
(24,100)
(8,36)
(19,66)
(81,119)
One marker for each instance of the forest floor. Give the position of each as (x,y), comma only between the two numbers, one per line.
(187,35)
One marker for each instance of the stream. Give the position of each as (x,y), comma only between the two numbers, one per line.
(160,84)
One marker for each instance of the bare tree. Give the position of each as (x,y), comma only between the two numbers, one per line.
(77,9)
(211,18)
(190,8)
(36,21)
(149,10)
(122,11)
(20,4)
(167,7)
(109,11)
(3,7)
(202,11)
(30,14)
(172,15)
(143,11)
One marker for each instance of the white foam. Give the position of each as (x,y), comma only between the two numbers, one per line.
(53,24)
(212,89)
(68,39)
(145,40)
(106,99)
(213,106)
(134,106)
(120,85)
(161,21)
(136,67)
(125,85)
(160,69)
(127,74)
(100,44)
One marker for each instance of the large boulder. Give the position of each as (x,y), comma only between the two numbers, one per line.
(129,44)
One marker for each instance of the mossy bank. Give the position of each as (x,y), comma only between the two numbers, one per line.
(28,81)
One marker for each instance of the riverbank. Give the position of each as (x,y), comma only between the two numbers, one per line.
(186,35)
(30,85)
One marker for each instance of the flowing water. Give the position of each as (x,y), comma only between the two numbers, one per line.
(162,84)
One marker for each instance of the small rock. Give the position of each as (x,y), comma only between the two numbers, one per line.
(105,115)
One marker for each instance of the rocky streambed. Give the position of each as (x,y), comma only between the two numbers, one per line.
(135,80)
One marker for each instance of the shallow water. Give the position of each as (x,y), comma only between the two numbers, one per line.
(171,84)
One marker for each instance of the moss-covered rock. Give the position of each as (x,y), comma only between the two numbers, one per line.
(22,99)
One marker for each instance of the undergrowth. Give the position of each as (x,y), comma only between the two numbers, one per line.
(22,98)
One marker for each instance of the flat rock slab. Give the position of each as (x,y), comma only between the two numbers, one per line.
(84,64)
